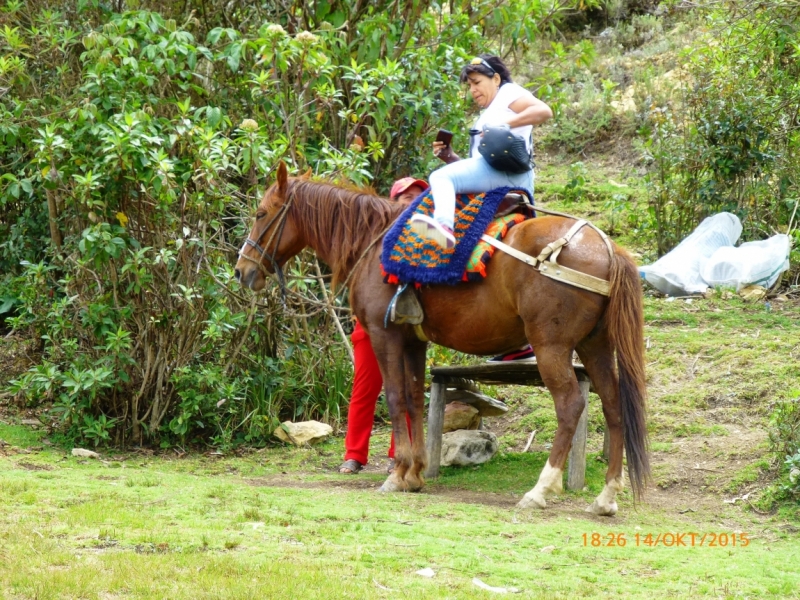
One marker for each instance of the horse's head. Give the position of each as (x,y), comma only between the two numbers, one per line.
(273,239)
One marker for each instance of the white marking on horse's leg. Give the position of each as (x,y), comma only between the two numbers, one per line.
(605,504)
(389,486)
(549,483)
(393,483)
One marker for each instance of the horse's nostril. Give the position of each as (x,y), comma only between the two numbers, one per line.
(238,274)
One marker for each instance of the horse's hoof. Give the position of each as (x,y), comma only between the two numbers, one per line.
(602,510)
(532,500)
(390,486)
(414,484)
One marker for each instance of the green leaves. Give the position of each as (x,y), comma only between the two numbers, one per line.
(729,147)
(142,140)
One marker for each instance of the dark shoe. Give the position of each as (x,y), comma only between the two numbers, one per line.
(520,355)
(350,467)
(404,307)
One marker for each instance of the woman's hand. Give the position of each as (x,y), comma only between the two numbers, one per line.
(445,152)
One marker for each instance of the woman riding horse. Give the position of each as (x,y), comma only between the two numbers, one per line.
(504,103)
(515,303)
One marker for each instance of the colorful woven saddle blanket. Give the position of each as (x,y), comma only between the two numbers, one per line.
(408,258)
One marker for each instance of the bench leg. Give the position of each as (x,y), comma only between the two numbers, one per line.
(435,425)
(576,473)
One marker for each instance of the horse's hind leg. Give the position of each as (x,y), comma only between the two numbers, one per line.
(414,359)
(597,356)
(555,367)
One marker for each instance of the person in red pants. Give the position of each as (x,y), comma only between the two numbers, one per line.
(367,380)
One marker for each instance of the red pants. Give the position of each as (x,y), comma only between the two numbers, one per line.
(367,385)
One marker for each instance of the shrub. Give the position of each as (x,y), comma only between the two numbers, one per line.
(784,446)
(732,144)
(138,145)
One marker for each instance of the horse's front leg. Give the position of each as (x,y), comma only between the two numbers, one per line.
(414,371)
(395,397)
(388,346)
(403,367)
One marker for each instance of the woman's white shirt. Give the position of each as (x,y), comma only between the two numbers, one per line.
(499,112)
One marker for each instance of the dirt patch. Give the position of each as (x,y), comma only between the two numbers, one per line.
(708,474)
(33,467)
(696,510)
(710,469)
(357,483)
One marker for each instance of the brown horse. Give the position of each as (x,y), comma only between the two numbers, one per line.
(512,305)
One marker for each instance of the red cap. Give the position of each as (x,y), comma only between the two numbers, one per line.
(401,185)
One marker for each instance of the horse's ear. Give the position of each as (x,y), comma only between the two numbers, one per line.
(283,178)
(307,174)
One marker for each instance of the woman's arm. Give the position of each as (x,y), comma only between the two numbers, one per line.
(530,111)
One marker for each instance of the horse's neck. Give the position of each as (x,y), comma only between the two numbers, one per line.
(345,226)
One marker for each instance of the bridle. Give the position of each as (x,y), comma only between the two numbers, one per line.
(280,217)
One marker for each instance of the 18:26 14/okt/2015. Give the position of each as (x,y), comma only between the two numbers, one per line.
(686,539)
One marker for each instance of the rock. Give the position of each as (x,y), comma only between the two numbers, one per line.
(84,453)
(465,447)
(305,432)
(486,405)
(458,415)
(548,549)
(426,572)
(31,422)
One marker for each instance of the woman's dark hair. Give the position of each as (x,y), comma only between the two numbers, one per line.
(486,64)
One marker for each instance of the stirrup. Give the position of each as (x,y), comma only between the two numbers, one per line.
(404,308)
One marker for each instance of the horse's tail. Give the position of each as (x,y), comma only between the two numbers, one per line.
(625,323)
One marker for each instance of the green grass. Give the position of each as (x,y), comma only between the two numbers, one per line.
(514,474)
(19,435)
(278,523)
(749,474)
(79,530)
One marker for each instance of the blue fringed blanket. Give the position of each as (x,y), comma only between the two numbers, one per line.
(407,257)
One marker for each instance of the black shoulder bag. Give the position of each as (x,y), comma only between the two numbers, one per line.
(505,151)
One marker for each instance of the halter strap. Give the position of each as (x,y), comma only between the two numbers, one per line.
(280,216)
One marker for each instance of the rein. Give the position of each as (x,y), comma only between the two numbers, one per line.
(280,216)
(379,237)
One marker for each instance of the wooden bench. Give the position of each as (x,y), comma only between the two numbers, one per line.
(515,373)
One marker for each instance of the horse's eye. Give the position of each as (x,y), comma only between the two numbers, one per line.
(260,215)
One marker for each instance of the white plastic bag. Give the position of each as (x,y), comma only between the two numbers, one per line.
(678,272)
(759,263)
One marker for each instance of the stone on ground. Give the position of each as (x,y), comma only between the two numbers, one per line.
(458,415)
(465,447)
(305,432)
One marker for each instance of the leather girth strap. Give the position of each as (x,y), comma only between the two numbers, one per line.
(546,263)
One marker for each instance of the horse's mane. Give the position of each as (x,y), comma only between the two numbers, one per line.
(340,222)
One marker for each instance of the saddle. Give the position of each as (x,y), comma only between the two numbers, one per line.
(514,202)
(405,307)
